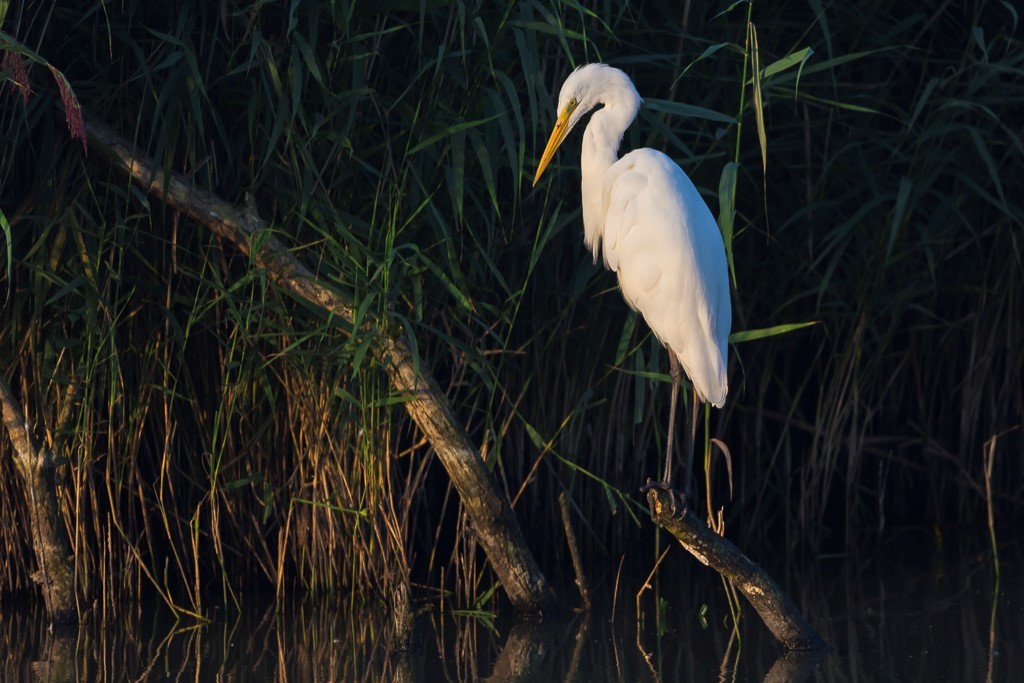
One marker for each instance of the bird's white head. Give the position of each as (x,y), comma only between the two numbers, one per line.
(584,89)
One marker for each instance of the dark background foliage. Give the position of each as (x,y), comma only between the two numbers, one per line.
(219,435)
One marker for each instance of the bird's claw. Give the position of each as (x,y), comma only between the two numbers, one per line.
(674,496)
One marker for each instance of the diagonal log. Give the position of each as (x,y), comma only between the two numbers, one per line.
(777,610)
(489,511)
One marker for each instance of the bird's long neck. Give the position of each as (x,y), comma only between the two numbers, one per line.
(601,150)
(603,136)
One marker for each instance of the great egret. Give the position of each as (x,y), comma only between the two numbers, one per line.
(658,236)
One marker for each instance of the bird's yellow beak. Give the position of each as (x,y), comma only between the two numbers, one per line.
(557,135)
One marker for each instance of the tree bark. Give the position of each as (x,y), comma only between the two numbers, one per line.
(34,462)
(491,515)
(777,611)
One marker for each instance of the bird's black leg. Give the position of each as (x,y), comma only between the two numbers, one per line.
(665,484)
(676,371)
(688,486)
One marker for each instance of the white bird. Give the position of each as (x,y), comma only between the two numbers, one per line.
(646,218)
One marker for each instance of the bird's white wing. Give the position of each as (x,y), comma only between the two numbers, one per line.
(662,241)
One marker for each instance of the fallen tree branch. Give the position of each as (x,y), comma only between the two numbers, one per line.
(490,513)
(34,463)
(574,551)
(777,611)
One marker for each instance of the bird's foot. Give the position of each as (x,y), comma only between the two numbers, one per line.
(677,500)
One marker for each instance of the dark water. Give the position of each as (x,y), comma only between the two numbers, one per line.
(885,622)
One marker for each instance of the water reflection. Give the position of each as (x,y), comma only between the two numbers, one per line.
(883,624)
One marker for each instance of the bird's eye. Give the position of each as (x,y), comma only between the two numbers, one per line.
(572,105)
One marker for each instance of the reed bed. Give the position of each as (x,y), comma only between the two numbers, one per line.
(219,438)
